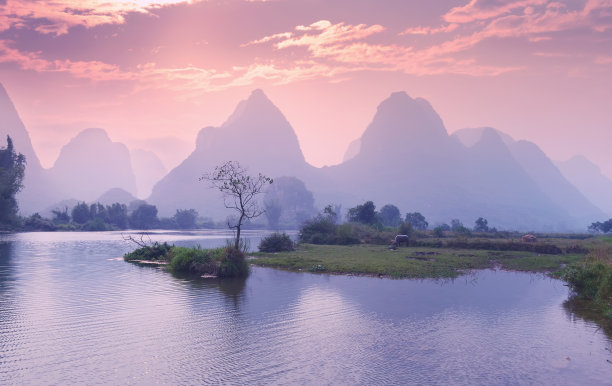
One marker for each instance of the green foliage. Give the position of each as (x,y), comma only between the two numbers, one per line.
(61,216)
(389,216)
(95,225)
(417,220)
(12,171)
(592,278)
(80,213)
(186,218)
(195,260)
(276,242)
(481,225)
(154,252)
(233,263)
(364,213)
(603,227)
(144,217)
(438,231)
(37,223)
(406,228)
(117,215)
(458,228)
(319,230)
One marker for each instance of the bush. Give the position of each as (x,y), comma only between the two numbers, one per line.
(155,252)
(233,263)
(319,230)
(195,260)
(276,242)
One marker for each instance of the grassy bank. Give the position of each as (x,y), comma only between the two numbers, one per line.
(591,278)
(408,262)
(220,262)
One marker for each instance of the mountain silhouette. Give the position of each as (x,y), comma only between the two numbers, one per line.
(257,135)
(90,164)
(589,179)
(38,192)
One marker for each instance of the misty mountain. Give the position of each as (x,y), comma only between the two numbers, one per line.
(589,179)
(148,170)
(38,192)
(408,159)
(541,169)
(90,164)
(352,150)
(256,134)
(114,195)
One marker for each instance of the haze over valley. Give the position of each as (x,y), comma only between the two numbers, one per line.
(404,157)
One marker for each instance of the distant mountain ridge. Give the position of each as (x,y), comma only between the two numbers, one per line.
(589,179)
(404,157)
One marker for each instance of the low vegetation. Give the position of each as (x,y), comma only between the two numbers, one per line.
(591,278)
(408,262)
(276,242)
(220,262)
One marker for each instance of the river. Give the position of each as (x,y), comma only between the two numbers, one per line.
(72,311)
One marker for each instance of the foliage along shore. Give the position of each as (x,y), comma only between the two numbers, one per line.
(585,264)
(218,262)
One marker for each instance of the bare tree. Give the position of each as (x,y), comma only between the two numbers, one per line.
(239,192)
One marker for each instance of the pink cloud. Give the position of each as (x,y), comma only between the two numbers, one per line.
(61,15)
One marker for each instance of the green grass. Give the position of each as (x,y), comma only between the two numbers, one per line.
(221,262)
(406,262)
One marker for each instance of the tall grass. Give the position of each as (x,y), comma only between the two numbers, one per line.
(592,278)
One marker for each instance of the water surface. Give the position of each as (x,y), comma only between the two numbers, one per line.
(71,311)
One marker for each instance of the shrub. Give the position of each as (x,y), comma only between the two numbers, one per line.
(155,252)
(233,263)
(319,230)
(195,260)
(276,242)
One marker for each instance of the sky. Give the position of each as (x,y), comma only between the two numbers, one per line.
(154,72)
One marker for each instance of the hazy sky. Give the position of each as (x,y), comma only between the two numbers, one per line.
(152,73)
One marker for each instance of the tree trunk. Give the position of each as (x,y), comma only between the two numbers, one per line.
(237,242)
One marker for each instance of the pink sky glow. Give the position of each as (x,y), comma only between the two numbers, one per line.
(152,73)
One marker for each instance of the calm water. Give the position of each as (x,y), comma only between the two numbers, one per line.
(71,311)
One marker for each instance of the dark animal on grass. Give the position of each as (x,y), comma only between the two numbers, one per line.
(395,242)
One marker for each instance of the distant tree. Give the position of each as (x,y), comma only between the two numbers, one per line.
(97,211)
(60,216)
(186,218)
(456,224)
(332,213)
(295,201)
(444,227)
(405,228)
(481,225)
(117,215)
(439,231)
(364,213)
(273,213)
(144,217)
(457,227)
(603,227)
(80,213)
(240,191)
(12,171)
(389,215)
(417,220)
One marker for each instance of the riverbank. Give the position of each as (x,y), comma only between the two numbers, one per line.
(408,262)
